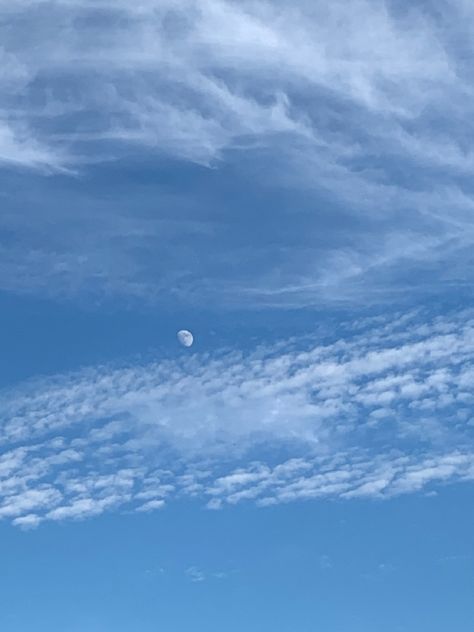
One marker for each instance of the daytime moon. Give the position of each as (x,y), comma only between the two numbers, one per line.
(185,337)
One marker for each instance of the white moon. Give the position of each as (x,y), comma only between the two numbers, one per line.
(185,337)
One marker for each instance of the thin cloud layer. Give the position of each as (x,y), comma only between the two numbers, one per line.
(192,79)
(385,410)
(365,106)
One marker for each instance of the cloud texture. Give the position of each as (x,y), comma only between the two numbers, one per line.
(363,110)
(384,411)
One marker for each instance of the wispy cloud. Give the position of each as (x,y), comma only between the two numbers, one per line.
(366,105)
(383,411)
(195,574)
(195,78)
(198,575)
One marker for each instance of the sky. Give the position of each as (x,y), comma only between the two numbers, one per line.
(291,182)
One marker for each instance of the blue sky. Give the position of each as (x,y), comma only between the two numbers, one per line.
(292,183)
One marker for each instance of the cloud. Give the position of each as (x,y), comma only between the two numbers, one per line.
(384,410)
(195,574)
(194,79)
(151,505)
(364,109)
(349,132)
(17,149)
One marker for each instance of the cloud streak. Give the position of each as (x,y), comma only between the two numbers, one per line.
(366,107)
(193,79)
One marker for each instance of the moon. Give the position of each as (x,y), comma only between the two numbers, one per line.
(185,337)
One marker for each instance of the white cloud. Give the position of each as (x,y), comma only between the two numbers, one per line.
(367,102)
(195,574)
(193,78)
(151,505)
(385,410)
